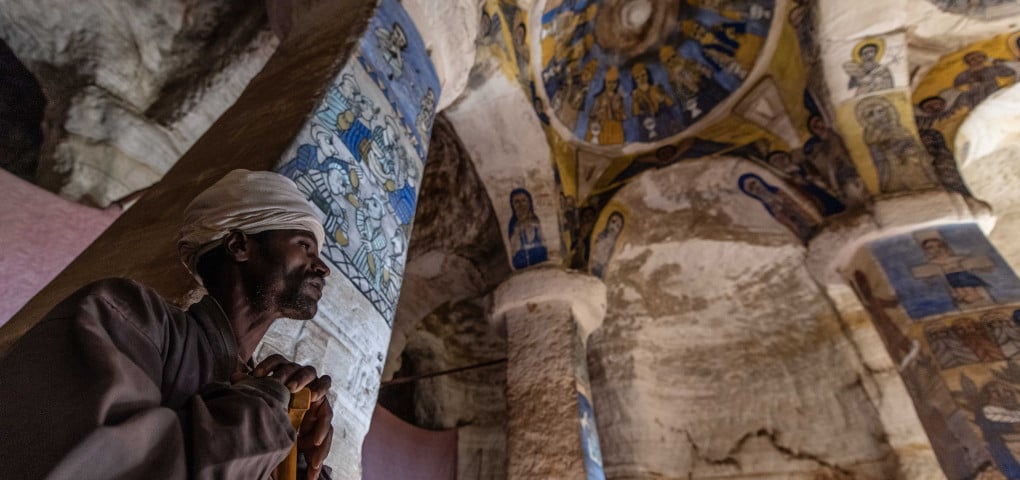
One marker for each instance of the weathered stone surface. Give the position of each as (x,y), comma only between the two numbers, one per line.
(719,357)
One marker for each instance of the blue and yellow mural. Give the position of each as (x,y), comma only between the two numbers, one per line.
(946,269)
(612,83)
(361,156)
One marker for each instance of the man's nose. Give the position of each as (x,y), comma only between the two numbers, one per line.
(320,267)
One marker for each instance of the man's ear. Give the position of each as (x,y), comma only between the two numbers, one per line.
(238,246)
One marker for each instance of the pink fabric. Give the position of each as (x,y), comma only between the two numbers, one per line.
(40,234)
(396,450)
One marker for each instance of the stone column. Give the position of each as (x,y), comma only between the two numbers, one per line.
(345,109)
(549,314)
(947,307)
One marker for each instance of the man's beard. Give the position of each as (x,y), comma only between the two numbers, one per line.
(292,301)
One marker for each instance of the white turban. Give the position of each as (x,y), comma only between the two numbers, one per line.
(251,202)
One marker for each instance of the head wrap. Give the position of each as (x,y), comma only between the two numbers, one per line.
(251,202)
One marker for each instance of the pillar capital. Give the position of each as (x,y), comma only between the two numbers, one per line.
(585,294)
(834,247)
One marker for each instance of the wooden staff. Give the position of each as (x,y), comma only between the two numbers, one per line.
(299,404)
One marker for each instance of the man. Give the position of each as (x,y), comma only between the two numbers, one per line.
(116,383)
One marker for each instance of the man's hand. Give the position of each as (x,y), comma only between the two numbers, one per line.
(316,433)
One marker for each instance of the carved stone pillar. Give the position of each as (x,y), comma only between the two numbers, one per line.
(947,307)
(549,314)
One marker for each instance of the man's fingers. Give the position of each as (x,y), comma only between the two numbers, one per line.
(320,387)
(319,456)
(269,364)
(323,423)
(300,378)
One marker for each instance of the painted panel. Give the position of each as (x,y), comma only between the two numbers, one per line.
(360,157)
(947,269)
(865,66)
(882,139)
(610,85)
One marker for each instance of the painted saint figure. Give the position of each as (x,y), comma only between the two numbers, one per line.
(997,415)
(942,161)
(866,74)
(605,243)
(393,42)
(966,288)
(899,160)
(647,98)
(780,205)
(607,113)
(980,79)
(525,231)
(827,154)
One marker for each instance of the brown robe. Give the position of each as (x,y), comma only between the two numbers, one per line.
(116,383)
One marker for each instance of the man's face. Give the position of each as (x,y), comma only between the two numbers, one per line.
(288,274)
(933,106)
(975,59)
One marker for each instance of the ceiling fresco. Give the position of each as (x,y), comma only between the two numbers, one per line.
(619,71)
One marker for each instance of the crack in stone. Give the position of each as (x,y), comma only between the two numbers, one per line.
(772,437)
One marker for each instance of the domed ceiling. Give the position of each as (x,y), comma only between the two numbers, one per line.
(622,71)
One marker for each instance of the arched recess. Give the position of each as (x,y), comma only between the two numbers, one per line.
(988,155)
(721,358)
(22,105)
(456,258)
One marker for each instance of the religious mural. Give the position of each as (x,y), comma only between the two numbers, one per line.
(361,156)
(606,241)
(959,82)
(525,231)
(979,8)
(616,74)
(868,65)
(780,205)
(884,143)
(946,269)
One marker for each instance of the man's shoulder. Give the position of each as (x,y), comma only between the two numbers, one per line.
(126,297)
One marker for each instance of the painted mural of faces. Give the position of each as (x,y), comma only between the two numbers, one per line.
(521,205)
(935,248)
(868,52)
(614,225)
(877,112)
(975,59)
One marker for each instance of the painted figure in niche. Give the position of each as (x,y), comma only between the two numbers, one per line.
(393,43)
(942,161)
(605,243)
(427,112)
(350,112)
(967,289)
(827,154)
(780,205)
(647,99)
(997,415)
(685,76)
(521,51)
(805,179)
(606,118)
(867,75)
(899,161)
(525,231)
(980,79)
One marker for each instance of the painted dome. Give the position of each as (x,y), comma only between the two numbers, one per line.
(622,71)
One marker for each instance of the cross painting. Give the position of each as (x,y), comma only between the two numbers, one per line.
(946,269)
